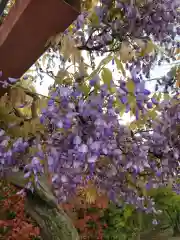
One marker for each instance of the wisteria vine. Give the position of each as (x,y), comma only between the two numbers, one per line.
(85,139)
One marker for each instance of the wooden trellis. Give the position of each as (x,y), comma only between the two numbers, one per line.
(26,29)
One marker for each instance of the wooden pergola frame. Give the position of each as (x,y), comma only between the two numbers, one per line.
(26,29)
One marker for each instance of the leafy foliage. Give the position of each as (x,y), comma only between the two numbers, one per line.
(78,138)
(83,136)
(124,221)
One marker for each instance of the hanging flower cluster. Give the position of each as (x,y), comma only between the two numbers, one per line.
(85,139)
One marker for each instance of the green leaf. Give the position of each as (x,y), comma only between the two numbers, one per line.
(85,89)
(94,19)
(132,103)
(150,47)
(113,90)
(120,66)
(104,62)
(127,213)
(122,111)
(106,76)
(60,76)
(133,125)
(166,96)
(96,88)
(120,106)
(130,86)
(152,114)
(67,81)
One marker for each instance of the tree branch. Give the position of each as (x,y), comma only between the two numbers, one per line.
(42,206)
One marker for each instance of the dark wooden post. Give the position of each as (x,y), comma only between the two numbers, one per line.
(27,28)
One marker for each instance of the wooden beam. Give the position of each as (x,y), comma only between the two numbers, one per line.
(27,28)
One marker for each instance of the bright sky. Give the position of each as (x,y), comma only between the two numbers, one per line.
(47,81)
(42,87)
(157,72)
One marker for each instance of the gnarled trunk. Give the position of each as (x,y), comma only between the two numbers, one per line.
(41,206)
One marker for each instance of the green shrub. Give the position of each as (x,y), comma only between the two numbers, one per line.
(127,223)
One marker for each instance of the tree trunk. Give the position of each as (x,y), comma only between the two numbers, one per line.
(42,207)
